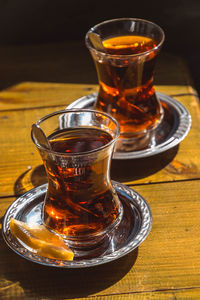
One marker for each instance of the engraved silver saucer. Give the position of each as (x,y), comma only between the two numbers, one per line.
(134,227)
(172,130)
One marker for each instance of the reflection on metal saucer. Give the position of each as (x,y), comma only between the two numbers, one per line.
(172,130)
(130,233)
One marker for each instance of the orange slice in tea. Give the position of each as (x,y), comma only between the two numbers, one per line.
(40,239)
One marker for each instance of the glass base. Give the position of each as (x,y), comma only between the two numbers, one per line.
(128,142)
(93,246)
(140,141)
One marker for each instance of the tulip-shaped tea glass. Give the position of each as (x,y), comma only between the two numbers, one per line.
(81,204)
(124,52)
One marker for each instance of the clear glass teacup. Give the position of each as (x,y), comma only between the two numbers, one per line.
(125,67)
(81,204)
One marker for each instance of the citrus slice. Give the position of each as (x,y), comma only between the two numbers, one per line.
(40,239)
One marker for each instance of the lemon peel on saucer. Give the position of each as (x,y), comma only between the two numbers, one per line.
(41,240)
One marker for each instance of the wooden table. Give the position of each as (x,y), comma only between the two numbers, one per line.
(167,264)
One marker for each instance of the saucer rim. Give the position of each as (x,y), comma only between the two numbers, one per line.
(29,197)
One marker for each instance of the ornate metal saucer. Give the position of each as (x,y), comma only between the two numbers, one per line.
(130,233)
(172,130)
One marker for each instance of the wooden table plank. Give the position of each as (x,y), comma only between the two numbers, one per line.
(10,290)
(182,294)
(32,95)
(167,261)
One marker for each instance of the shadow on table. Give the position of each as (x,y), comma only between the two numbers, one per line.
(40,281)
(30,179)
(133,169)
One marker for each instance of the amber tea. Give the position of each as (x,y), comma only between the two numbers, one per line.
(79,201)
(126,91)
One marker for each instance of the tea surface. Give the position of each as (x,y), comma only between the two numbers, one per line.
(128,44)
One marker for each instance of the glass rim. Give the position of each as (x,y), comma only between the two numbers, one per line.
(76,110)
(121,56)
